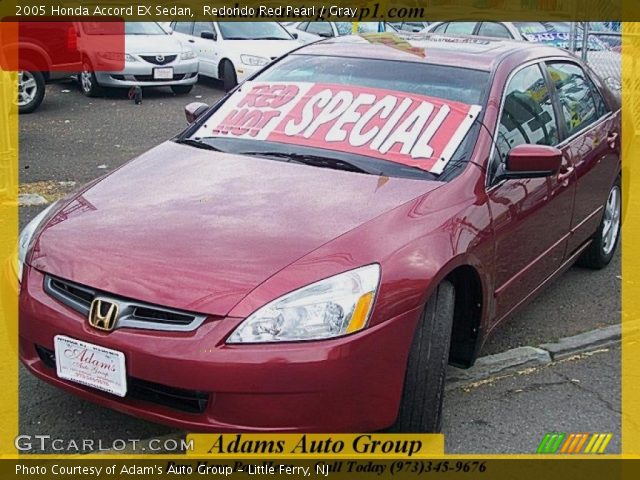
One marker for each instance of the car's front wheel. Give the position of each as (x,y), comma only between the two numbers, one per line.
(604,243)
(88,81)
(421,402)
(31,88)
(228,75)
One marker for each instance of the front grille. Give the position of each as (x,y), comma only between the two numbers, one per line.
(164,59)
(131,314)
(161,316)
(189,401)
(149,78)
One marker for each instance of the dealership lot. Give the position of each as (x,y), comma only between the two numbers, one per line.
(73,139)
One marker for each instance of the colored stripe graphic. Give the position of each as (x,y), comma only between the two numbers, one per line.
(551,442)
(573,443)
(598,443)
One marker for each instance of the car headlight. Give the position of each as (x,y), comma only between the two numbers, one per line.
(26,239)
(253,60)
(118,57)
(187,55)
(329,308)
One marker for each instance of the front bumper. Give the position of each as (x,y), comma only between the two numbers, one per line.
(346,384)
(185,72)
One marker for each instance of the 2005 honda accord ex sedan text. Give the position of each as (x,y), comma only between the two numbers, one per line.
(311,252)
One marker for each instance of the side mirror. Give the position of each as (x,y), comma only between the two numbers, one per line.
(294,35)
(209,36)
(530,161)
(195,110)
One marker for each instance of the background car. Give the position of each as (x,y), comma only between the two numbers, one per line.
(153,57)
(232,51)
(314,31)
(47,52)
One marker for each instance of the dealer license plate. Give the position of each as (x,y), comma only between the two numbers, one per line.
(165,73)
(91,365)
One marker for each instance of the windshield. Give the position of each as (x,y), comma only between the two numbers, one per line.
(115,28)
(356,110)
(253,31)
(143,28)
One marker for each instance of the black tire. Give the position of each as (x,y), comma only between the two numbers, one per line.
(602,248)
(31,89)
(228,75)
(421,402)
(88,81)
(181,89)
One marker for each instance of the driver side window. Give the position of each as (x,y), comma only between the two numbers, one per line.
(527,114)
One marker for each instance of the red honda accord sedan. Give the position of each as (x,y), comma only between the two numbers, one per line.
(311,252)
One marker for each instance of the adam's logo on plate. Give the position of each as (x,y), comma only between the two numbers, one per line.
(103,314)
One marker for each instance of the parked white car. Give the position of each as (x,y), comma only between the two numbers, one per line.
(232,51)
(153,57)
(313,31)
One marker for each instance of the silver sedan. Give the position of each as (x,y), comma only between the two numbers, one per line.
(152,57)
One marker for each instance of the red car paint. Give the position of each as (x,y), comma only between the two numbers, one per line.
(224,235)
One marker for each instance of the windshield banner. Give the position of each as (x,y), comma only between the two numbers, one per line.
(401,127)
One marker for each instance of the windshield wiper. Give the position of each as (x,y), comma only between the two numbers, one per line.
(313,160)
(192,142)
(271,38)
(237,38)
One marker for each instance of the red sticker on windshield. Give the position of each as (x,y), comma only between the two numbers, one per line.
(405,128)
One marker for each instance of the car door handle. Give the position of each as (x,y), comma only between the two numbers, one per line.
(564,174)
(192,41)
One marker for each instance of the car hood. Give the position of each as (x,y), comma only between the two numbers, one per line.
(143,44)
(198,230)
(271,49)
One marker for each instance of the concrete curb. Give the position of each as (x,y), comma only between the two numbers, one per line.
(502,363)
(584,342)
(522,358)
(31,200)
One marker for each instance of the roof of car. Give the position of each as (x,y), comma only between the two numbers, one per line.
(481,53)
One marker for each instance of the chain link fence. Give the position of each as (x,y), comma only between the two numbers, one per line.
(601,48)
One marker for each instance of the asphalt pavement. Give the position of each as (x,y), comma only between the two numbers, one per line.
(72,139)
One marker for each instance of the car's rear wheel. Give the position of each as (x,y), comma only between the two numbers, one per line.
(421,402)
(228,75)
(31,87)
(604,243)
(88,81)
(181,89)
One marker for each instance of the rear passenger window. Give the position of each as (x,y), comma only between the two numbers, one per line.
(577,101)
(527,113)
(320,28)
(494,29)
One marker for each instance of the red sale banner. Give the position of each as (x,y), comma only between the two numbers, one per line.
(401,127)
